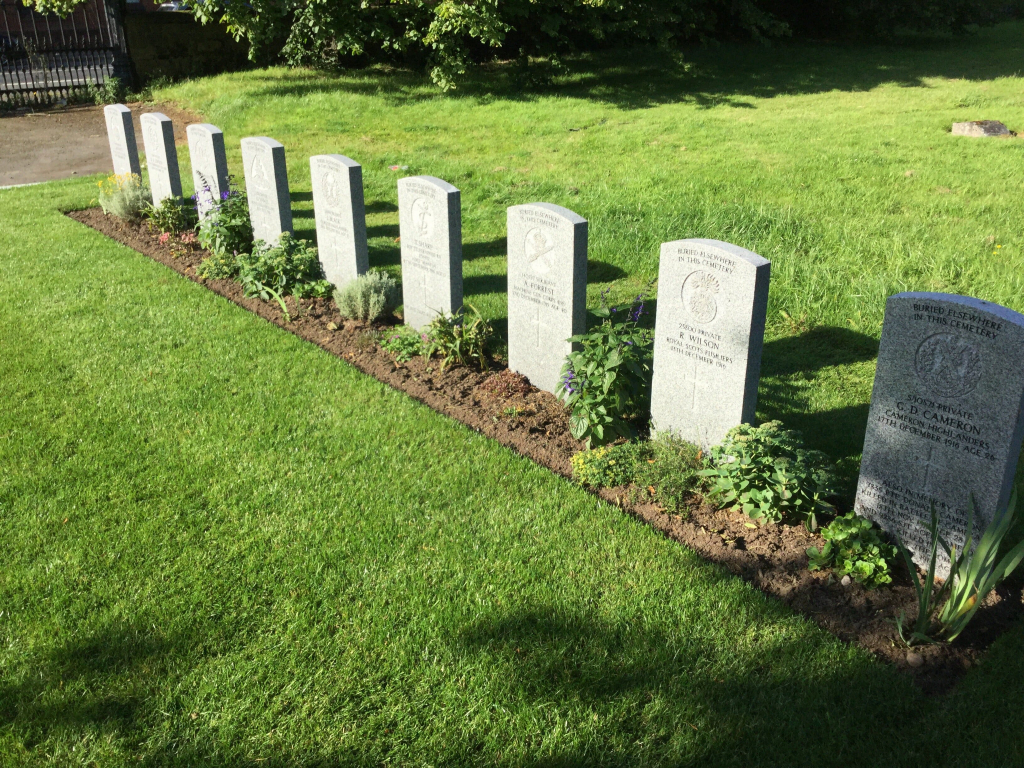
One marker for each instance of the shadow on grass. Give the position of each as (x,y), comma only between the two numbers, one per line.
(483,250)
(724,75)
(382,230)
(381,206)
(815,349)
(107,666)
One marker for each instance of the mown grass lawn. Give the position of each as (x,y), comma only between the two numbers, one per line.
(221,546)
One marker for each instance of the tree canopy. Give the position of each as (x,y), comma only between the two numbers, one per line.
(447,36)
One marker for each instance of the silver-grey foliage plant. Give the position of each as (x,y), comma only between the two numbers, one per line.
(368,297)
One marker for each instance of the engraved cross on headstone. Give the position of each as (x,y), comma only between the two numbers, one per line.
(930,463)
(693,382)
(539,324)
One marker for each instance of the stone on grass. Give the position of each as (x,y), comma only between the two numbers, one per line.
(547,289)
(161,156)
(266,187)
(209,164)
(121,134)
(340,217)
(430,223)
(708,336)
(980,128)
(946,418)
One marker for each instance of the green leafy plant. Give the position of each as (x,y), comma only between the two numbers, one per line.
(369,296)
(608,465)
(973,573)
(124,196)
(112,91)
(606,380)
(226,229)
(854,547)
(218,266)
(665,470)
(672,472)
(173,216)
(404,343)
(291,267)
(461,338)
(770,476)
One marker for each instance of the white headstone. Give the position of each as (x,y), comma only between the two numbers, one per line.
(266,186)
(946,418)
(547,289)
(340,217)
(161,156)
(708,336)
(121,134)
(209,164)
(430,221)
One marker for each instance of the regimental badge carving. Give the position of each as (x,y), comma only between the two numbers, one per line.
(330,184)
(423,217)
(538,244)
(948,365)
(115,128)
(203,155)
(113,123)
(259,172)
(698,295)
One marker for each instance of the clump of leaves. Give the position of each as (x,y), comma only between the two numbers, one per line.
(369,296)
(111,91)
(124,196)
(666,469)
(672,471)
(854,547)
(606,381)
(226,229)
(173,216)
(506,384)
(289,268)
(608,465)
(973,573)
(461,338)
(404,343)
(218,266)
(770,476)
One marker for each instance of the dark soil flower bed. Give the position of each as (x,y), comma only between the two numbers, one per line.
(535,424)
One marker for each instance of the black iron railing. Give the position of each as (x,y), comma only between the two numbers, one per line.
(46,59)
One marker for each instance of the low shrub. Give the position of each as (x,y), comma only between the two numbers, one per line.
(404,343)
(218,266)
(606,381)
(124,196)
(854,547)
(369,296)
(173,216)
(290,268)
(463,339)
(112,91)
(226,228)
(770,476)
(673,471)
(665,470)
(609,465)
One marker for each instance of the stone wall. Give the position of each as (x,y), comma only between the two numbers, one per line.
(176,45)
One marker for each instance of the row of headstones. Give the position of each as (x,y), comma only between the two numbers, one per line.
(947,410)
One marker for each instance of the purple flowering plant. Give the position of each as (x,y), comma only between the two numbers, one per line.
(606,380)
(226,229)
